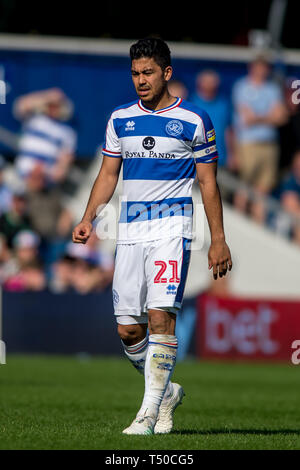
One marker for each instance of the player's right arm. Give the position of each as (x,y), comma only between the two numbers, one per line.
(102,191)
(105,182)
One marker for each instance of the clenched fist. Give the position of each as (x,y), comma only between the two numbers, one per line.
(82,232)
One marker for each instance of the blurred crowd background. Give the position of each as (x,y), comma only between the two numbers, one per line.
(35,227)
(63,69)
(60,92)
(258,138)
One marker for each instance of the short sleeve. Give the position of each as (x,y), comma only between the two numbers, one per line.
(111,147)
(204,141)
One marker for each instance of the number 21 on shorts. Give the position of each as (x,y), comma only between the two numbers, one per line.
(163,266)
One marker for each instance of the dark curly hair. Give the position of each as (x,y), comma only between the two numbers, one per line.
(153,48)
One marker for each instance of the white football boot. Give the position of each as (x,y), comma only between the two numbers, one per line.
(141,425)
(164,423)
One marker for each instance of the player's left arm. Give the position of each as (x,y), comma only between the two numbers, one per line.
(206,155)
(219,257)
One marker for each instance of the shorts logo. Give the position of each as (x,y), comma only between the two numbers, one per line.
(174,128)
(171,289)
(116,297)
(211,135)
(148,143)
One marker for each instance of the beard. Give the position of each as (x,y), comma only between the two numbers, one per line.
(154,96)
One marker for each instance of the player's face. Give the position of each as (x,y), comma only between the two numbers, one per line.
(149,79)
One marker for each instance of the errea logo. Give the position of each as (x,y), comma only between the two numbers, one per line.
(130,126)
(171,289)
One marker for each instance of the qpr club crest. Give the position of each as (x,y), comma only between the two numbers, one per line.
(174,128)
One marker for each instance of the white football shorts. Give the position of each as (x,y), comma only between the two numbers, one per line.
(149,275)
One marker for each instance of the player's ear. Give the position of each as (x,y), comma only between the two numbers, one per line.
(168,73)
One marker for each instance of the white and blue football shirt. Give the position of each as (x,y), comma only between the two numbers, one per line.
(159,151)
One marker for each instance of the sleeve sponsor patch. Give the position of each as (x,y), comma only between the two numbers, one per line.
(210,135)
(207,151)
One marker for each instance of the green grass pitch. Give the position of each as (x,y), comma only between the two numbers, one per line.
(65,403)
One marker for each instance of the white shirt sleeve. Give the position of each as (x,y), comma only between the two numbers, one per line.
(111,147)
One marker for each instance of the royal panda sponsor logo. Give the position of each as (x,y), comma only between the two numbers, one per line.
(135,154)
(161,155)
(151,154)
(148,143)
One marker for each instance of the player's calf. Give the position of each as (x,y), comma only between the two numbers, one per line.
(159,365)
(136,348)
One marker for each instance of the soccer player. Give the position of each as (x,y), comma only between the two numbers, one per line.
(163,142)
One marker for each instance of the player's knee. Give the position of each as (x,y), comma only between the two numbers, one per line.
(129,334)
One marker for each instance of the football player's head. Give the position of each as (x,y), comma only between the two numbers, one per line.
(150,67)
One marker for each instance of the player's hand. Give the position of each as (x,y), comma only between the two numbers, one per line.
(219,258)
(82,232)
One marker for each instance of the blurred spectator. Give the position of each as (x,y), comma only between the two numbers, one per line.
(16,219)
(289,193)
(289,132)
(45,139)
(47,215)
(26,247)
(178,88)
(101,257)
(5,190)
(8,265)
(209,98)
(62,275)
(259,110)
(87,277)
(84,268)
(29,274)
